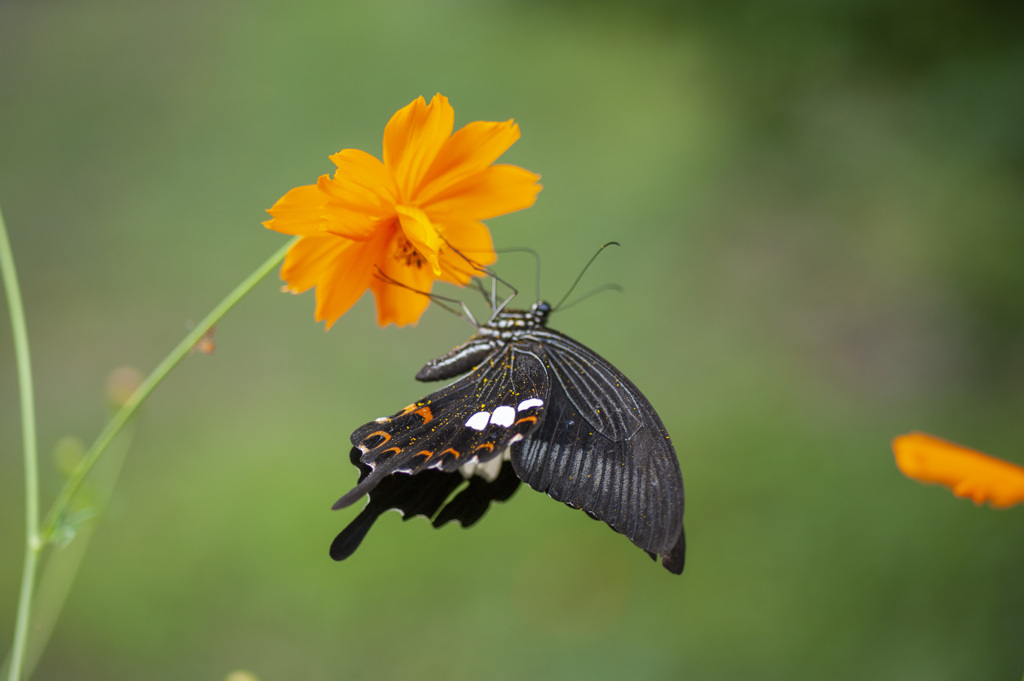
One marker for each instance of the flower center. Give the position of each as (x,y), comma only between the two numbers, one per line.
(408,254)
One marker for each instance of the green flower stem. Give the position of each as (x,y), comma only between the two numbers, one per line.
(30,451)
(37,538)
(115,424)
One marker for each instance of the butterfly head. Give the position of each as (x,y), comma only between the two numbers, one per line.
(540,311)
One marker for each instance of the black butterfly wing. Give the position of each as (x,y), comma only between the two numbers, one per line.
(469,505)
(602,448)
(424,494)
(411,460)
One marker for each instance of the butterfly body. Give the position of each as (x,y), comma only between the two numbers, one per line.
(534,406)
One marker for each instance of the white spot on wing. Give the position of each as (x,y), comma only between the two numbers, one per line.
(478,421)
(503,416)
(532,402)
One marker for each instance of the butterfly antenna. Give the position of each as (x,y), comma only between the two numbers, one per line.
(582,272)
(600,289)
(436,298)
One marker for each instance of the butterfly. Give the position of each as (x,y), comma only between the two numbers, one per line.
(534,406)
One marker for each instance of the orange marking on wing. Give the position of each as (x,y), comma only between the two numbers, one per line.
(425,413)
(525,419)
(425,453)
(407,410)
(487,445)
(454,452)
(386,436)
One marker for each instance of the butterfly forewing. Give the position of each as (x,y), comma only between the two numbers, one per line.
(472,420)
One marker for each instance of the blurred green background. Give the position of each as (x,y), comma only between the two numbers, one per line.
(820,209)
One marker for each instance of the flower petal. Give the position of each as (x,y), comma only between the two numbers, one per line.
(470,150)
(421,234)
(397,304)
(967,472)
(308,211)
(472,241)
(300,212)
(494,191)
(341,270)
(412,139)
(361,183)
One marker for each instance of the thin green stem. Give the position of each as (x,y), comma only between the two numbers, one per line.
(37,538)
(115,424)
(30,451)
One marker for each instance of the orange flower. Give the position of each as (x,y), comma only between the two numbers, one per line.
(406,216)
(967,472)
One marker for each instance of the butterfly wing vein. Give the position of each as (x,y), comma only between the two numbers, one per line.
(623,473)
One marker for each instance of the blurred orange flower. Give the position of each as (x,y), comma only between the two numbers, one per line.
(406,216)
(967,472)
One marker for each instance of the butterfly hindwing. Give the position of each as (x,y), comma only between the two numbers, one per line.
(602,448)
(469,505)
(425,494)
(422,494)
